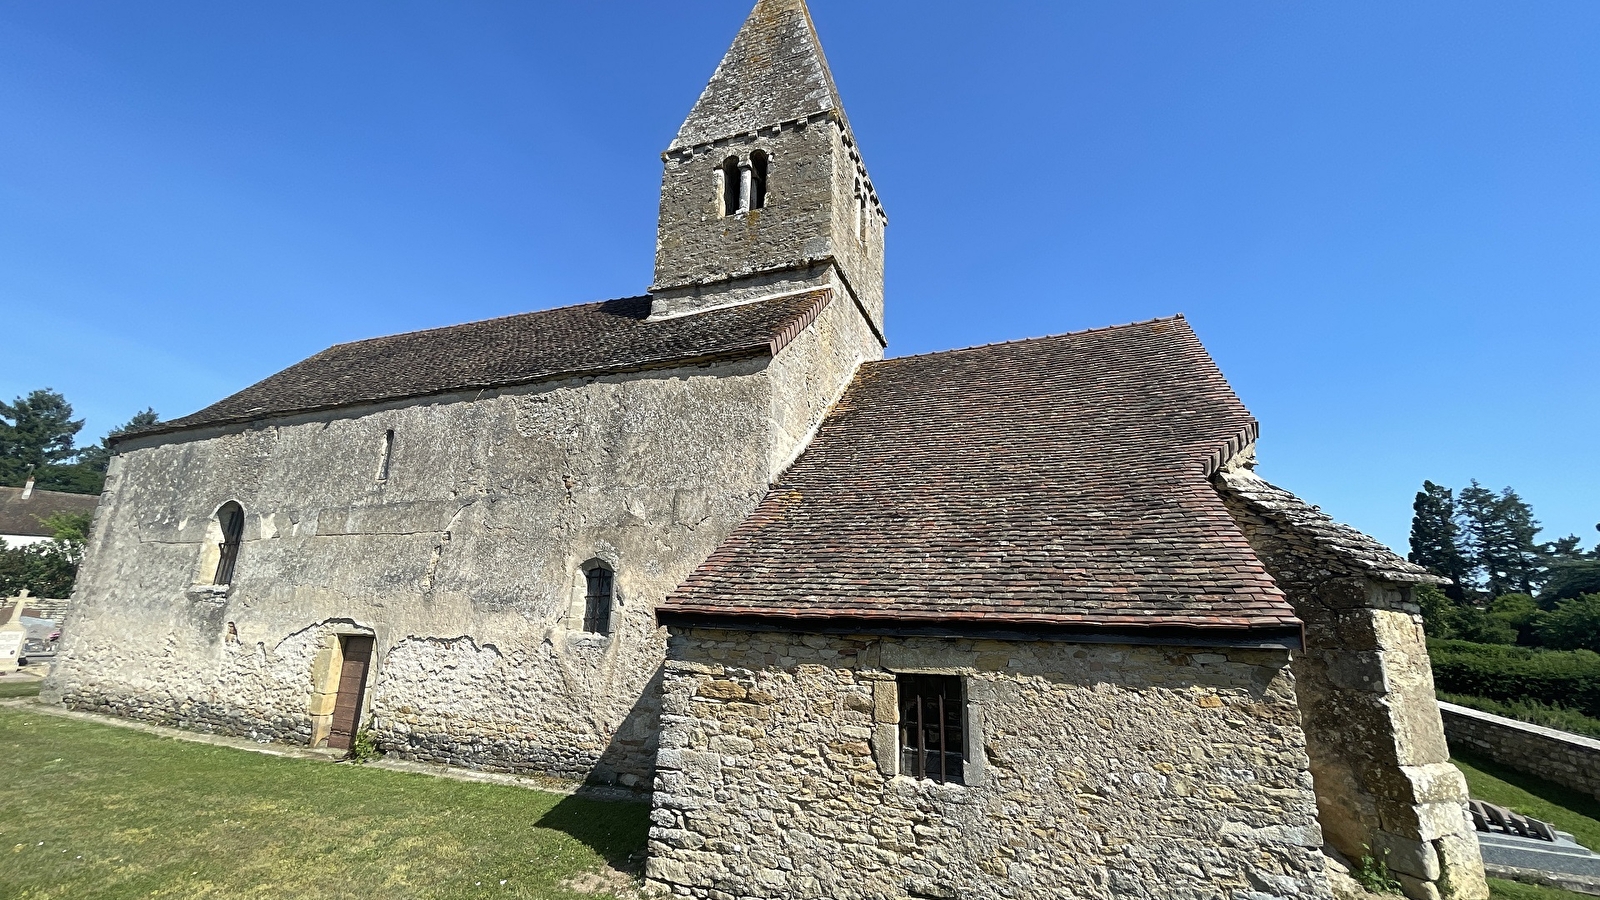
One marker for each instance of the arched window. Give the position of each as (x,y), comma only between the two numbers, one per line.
(730,185)
(597,599)
(758,179)
(231,518)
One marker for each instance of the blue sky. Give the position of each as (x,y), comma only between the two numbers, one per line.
(1382,219)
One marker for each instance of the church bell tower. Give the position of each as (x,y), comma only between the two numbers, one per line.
(764,191)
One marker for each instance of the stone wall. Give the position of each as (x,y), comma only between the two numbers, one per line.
(1570,760)
(809,216)
(464,564)
(1385,786)
(41,608)
(1095,771)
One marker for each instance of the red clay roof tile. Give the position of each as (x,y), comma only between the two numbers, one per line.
(1052,481)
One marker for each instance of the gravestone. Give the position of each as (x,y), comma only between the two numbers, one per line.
(12,634)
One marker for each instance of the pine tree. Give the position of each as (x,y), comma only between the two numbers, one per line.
(1436,538)
(35,432)
(1500,536)
(88,474)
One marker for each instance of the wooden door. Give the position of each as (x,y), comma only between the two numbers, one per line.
(352,688)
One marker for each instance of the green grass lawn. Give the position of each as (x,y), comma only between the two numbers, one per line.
(95,811)
(1566,810)
(1501,889)
(10,690)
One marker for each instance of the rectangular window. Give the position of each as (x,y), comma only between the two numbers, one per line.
(933,727)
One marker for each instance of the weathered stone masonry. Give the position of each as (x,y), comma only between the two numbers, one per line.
(1571,760)
(1385,785)
(1101,771)
(464,563)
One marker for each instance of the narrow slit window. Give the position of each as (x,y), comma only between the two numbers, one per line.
(597,600)
(758,179)
(933,727)
(861,211)
(231,518)
(730,186)
(388,451)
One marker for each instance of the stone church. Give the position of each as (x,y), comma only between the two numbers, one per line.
(1013,621)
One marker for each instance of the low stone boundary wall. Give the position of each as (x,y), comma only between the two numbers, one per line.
(1567,759)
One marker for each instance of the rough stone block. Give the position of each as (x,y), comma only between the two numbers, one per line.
(885,702)
(1462,864)
(322,704)
(1415,858)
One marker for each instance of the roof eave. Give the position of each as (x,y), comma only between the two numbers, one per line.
(1278,636)
(178,426)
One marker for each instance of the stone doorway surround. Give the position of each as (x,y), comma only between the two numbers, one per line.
(327,669)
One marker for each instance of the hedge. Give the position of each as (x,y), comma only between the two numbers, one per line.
(1531,711)
(1566,678)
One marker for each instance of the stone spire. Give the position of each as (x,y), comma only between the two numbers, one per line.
(774,72)
(763,191)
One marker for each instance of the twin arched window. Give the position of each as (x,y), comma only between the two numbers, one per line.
(744,183)
(231,518)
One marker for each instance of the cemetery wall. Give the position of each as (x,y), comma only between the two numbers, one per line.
(1570,760)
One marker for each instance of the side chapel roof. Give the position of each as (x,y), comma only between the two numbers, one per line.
(1059,482)
(774,72)
(1307,524)
(591,338)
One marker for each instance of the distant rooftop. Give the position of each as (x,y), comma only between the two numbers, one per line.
(25,517)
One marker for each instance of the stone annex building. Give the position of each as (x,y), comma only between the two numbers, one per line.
(1014,621)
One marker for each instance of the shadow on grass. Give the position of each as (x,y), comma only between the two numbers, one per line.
(1582,804)
(614,829)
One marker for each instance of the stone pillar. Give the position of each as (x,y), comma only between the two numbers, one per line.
(1385,786)
(1380,767)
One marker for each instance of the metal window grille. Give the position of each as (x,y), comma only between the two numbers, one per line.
(232,533)
(597,603)
(933,730)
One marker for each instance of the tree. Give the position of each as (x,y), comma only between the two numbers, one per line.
(88,474)
(66,526)
(1436,538)
(1518,612)
(46,569)
(1563,548)
(1570,578)
(1500,538)
(35,432)
(1573,625)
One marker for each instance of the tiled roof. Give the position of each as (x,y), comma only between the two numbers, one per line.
(615,335)
(1355,549)
(25,517)
(1053,482)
